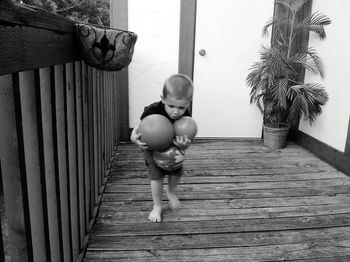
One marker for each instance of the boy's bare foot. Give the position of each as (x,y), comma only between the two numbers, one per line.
(173,200)
(156,214)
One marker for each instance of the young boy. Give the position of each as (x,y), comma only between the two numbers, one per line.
(175,100)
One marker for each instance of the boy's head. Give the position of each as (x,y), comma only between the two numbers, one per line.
(178,86)
(177,95)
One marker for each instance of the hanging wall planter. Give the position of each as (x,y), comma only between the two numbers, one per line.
(106,48)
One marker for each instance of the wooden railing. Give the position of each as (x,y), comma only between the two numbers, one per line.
(60,123)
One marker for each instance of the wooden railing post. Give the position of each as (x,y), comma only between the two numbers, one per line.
(16,206)
(61,159)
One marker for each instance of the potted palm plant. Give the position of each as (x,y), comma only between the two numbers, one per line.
(274,79)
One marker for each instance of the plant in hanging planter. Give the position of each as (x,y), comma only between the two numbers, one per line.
(275,88)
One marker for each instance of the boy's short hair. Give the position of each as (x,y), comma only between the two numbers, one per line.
(179,86)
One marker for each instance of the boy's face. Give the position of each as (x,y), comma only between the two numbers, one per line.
(175,108)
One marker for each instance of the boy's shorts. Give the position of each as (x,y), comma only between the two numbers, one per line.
(155,172)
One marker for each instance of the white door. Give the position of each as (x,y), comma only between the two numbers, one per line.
(229,32)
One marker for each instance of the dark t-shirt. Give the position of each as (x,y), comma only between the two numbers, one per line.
(158,108)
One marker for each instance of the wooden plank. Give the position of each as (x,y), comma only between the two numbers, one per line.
(111,118)
(96,138)
(105,124)
(91,114)
(115,188)
(187,37)
(222,214)
(13,174)
(252,193)
(85,101)
(234,203)
(23,33)
(104,128)
(237,153)
(209,177)
(37,209)
(49,162)
(225,225)
(227,144)
(327,259)
(62,164)
(34,17)
(116,126)
(80,149)
(301,40)
(292,171)
(109,122)
(202,153)
(119,19)
(72,158)
(234,161)
(242,148)
(225,240)
(292,252)
(212,214)
(22,48)
(227,157)
(237,166)
(99,130)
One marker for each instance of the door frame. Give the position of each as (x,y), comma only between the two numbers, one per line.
(187,30)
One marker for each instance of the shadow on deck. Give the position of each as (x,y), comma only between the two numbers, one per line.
(240,202)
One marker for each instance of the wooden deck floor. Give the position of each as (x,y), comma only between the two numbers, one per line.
(240,202)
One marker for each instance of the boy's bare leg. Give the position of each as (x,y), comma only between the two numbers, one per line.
(157,192)
(171,194)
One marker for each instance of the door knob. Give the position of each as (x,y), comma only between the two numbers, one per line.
(202,52)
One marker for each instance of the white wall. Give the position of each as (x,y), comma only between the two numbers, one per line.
(156,22)
(331,126)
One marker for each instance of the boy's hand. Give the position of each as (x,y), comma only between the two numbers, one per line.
(135,138)
(179,156)
(182,142)
(138,142)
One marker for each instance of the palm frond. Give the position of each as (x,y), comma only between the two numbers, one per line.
(296,109)
(254,77)
(317,92)
(316,23)
(284,4)
(295,5)
(307,101)
(301,59)
(258,102)
(265,32)
(275,59)
(279,92)
(316,60)
(277,37)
